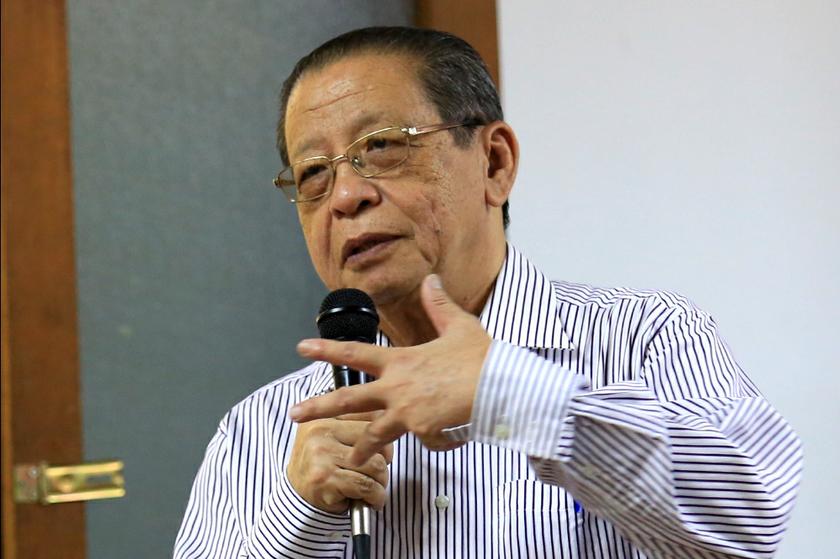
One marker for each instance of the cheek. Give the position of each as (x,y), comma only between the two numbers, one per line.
(432,201)
(317,243)
(437,220)
(445,201)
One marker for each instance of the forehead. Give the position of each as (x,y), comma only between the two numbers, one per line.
(352,96)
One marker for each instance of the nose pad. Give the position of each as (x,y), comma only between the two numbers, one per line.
(351,191)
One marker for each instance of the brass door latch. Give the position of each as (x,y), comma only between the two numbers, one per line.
(47,485)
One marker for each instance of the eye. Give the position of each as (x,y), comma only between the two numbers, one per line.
(309,172)
(379,143)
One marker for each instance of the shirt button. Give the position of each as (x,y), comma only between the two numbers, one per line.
(335,536)
(441,502)
(501,431)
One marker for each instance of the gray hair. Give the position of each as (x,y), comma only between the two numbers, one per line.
(453,75)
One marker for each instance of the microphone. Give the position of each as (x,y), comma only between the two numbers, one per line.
(349,315)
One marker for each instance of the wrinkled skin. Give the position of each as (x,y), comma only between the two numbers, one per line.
(320,470)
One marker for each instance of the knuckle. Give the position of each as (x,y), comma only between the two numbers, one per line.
(383,477)
(375,430)
(378,463)
(313,429)
(425,431)
(348,352)
(370,416)
(304,430)
(335,501)
(388,453)
(377,500)
(343,399)
(403,408)
(403,362)
(318,446)
(319,475)
(365,484)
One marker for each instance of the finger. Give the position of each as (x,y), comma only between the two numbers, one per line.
(378,434)
(356,486)
(375,467)
(347,399)
(440,308)
(333,501)
(388,453)
(348,432)
(356,355)
(367,416)
(440,443)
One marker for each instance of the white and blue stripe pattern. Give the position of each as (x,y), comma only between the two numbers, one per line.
(627,400)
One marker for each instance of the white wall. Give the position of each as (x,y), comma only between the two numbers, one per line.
(695,146)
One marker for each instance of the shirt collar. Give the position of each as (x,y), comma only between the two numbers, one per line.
(521,309)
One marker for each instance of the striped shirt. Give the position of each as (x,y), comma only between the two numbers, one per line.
(608,423)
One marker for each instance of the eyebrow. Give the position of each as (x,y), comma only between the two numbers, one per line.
(356,131)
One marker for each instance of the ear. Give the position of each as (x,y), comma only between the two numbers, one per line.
(502,159)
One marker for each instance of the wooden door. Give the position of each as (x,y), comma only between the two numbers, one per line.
(472,20)
(41,416)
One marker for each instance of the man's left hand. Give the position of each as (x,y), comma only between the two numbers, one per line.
(423,389)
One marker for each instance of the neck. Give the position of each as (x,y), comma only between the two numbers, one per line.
(405,321)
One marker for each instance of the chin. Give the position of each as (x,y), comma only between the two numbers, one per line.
(386,289)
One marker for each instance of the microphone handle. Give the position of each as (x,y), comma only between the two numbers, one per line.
(359,510)
(345,376)
(360,526)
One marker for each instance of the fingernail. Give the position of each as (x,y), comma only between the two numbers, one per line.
(307,346)
(434,281)
(295,413)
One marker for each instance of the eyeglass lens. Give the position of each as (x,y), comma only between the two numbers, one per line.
(370,156)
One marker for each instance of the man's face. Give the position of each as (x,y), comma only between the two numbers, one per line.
(385,234)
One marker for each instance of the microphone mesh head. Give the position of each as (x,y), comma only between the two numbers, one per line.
(348,315)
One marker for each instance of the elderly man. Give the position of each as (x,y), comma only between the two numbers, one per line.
(513,416)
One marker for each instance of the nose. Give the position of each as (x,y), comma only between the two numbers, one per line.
(351,192)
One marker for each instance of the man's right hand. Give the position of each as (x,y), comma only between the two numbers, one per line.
(319,467)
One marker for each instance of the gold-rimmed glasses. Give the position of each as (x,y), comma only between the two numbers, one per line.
(373,154)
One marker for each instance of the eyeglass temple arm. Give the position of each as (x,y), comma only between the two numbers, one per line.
(418,130)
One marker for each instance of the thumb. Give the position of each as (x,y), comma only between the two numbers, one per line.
(440,308)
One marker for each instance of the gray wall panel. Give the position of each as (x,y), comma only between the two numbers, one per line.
(194,283)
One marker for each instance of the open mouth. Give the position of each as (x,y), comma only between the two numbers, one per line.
(367,245)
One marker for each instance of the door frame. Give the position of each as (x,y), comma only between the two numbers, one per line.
(41,409)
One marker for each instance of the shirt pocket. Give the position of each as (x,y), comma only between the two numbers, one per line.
(536,520)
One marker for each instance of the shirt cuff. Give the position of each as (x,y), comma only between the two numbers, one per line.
(460,434)
(291,527)
(310,516)
(522,401)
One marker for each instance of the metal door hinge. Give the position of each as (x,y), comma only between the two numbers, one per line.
(47,485)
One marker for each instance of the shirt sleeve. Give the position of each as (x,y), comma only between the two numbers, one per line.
(289,527)
(687,460)
(242,504)
(209,526)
